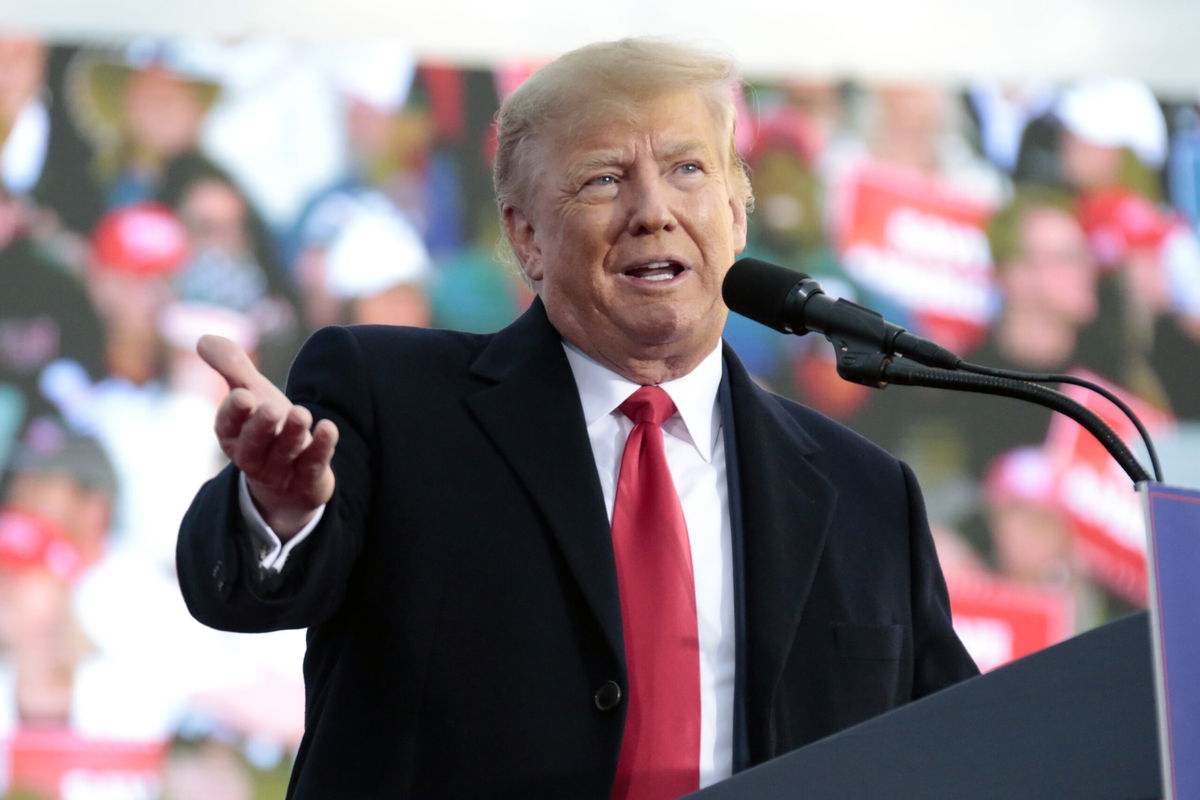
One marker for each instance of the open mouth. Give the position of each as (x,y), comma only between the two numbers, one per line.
(656,271)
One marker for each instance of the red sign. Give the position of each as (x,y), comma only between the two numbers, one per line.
(1105,511)
(59,764)
(1000,620)
(911,238)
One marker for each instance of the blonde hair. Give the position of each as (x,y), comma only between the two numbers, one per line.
(609,80)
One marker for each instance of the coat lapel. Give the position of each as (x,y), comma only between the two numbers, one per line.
(786,507)
(531,411)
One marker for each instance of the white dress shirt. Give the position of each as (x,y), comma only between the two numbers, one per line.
(695,450)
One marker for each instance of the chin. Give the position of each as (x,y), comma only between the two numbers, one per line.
(660,327)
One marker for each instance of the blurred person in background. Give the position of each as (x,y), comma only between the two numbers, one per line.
(789,227)
(46,317)
(908,201)
(916,127)
(24,118)
(1031,539)
(233,261)
(1007,121)
(385,141)
(42,159)
(1030,534)
(1114,141)
(274,126)
(135,255)
(55,516)
(474,287)
(363,262)
(136,252)
(1046,321)
(228,703)
(142,106)
(154,673)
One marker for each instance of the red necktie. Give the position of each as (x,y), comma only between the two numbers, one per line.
(660,750)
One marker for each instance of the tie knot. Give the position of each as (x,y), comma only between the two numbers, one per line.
(648,404)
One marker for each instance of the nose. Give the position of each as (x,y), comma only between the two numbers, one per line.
(650,208)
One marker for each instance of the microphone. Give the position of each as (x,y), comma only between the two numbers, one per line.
(792,302)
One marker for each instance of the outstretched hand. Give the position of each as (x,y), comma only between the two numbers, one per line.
(271,440)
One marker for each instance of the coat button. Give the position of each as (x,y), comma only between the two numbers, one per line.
(608,696)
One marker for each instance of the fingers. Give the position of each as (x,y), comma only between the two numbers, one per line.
(312,463)
(257,439)
(232,415)
(290,440)
(275,444)
(235,366)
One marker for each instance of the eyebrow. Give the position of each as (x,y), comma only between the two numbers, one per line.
(617,157)
(687,147)
(600,158)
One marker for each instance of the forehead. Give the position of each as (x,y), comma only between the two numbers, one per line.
(667,123)
(1047,221)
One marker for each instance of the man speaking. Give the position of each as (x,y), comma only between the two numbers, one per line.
(584,556)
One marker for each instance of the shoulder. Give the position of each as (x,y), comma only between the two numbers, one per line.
(828,432)
(819,436)
(373,343)
(383,360)
(767,422)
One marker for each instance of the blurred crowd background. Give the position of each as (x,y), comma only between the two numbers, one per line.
(155,190)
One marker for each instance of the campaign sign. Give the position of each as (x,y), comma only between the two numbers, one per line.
(1000,620)
(60,764)
(1105,512)
(1173,522)
(912,240)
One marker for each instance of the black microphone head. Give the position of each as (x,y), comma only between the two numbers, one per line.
(760,290)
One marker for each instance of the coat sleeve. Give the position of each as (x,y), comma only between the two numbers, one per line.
(219,573)
(939,658)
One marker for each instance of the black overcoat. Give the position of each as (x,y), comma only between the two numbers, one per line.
(460,592)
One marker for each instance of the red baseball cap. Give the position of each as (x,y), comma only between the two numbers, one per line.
(144,239)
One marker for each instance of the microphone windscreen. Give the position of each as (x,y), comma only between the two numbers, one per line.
(759,290)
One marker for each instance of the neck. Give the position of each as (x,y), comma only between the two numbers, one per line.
(643,352)
(646,368)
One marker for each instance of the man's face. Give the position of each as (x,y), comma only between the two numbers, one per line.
(629,230)
(1055,272)
(163,111)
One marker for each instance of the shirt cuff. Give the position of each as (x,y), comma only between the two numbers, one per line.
(272,553)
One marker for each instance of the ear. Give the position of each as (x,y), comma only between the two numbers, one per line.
(523,239)
(738,207)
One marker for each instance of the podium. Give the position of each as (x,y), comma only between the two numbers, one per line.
(1076,720)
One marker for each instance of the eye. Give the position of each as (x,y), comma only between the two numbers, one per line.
(690,168)
(602,180)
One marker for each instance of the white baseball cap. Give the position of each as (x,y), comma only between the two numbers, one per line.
(1116,112)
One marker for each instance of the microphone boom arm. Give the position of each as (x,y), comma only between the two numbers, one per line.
(906,372)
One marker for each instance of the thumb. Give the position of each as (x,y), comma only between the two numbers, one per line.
(233,364)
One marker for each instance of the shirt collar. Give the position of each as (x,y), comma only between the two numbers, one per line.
(601,392)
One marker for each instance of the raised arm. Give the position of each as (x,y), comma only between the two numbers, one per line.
(289,474)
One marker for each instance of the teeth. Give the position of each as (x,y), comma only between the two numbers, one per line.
(654,271)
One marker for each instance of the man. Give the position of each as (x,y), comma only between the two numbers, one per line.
(452,531)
